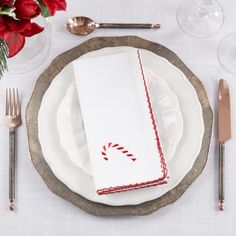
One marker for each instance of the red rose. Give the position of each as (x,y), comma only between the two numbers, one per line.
(8,3)
(27,9)
(14,32)
(55,5)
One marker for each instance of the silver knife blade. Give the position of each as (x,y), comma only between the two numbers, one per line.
(224,112)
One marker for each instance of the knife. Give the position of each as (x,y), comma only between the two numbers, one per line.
(224,133)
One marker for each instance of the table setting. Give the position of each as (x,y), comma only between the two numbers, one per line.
(128,121)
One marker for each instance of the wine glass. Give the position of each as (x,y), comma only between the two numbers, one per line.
(35,50)
(200,18)
(227,53)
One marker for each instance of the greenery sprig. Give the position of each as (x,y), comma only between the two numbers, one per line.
(3,56)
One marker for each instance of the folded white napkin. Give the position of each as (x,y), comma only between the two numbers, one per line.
(120,126)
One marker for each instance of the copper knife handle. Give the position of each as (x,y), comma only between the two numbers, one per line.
(221,175)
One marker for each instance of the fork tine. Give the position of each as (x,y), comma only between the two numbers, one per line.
(7,102)
(13,107)
(18,102)
(14,103)
(10,102)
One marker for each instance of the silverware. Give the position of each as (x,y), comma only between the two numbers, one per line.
(13,120)
(224,133)
(82,25)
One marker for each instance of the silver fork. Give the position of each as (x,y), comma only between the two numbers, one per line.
(13,120)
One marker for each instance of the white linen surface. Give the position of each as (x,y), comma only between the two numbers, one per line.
(41,213)
(118,123)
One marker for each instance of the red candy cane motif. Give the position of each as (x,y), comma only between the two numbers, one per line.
(118,148)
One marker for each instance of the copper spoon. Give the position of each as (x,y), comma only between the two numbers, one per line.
(82,25)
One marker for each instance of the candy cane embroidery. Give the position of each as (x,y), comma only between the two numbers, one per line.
(118,148)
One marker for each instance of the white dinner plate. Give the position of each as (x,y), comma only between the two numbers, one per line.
(77,180)
(165,106)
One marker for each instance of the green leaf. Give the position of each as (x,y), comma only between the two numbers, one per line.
(45,12)
(3,56)
(6,10)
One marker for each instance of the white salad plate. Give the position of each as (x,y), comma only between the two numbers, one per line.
(181,128)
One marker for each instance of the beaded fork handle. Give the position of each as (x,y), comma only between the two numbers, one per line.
(13,120)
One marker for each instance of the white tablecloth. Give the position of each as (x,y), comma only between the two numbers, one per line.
(40,212)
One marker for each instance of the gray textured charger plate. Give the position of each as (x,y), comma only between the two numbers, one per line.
(55,185)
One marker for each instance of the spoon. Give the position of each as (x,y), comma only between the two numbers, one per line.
(82,25)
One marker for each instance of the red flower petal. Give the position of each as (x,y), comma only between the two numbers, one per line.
(61,5)
(14,32)
(24,27)
(27,9)
(15,42)
(8,3)
(31,30)
(56,5)
(2,27)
